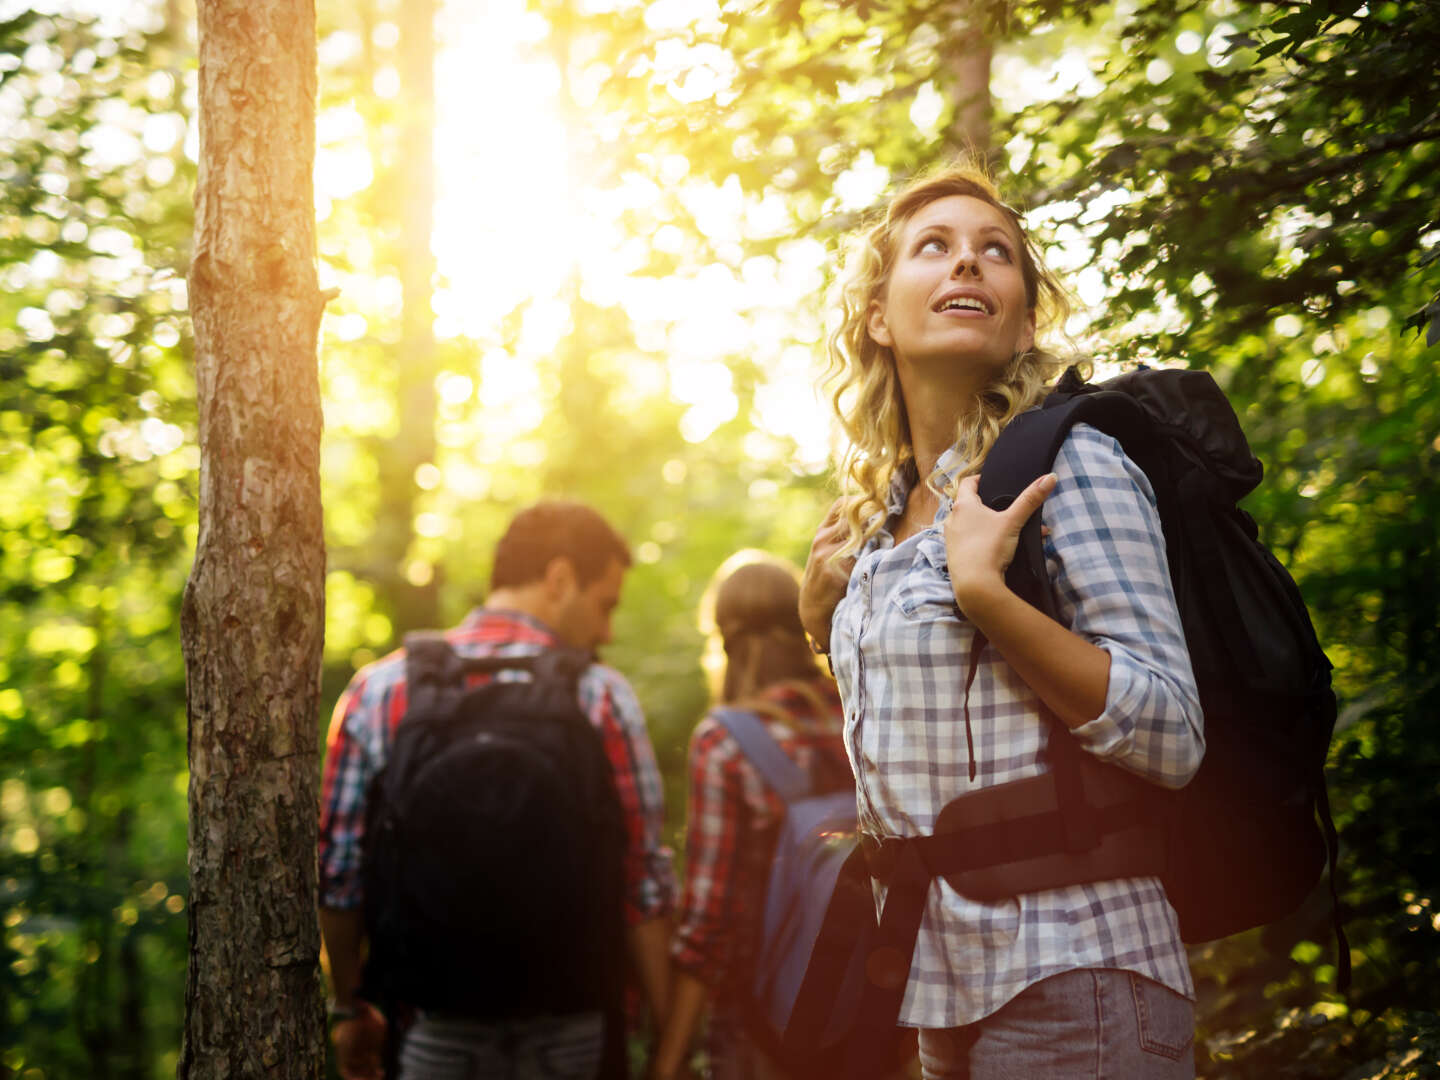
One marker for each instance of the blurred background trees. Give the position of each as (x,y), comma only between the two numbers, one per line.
(97,437)
(635,209)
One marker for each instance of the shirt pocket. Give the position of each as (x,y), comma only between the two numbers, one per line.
(924,595)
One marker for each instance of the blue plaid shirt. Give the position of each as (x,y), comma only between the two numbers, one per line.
(901,653)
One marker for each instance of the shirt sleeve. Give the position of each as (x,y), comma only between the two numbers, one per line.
(1105,553)
(614,710)
(703,938)
(353,746)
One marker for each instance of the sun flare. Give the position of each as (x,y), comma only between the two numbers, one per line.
(521,224)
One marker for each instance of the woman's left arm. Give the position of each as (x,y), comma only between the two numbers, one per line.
(1119,677)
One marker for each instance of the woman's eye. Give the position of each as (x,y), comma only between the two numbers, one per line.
(933,245)
(998,248)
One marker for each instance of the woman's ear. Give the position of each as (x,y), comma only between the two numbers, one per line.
(875,323)
(1027,333)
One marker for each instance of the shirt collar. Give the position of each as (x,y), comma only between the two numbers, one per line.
(901,481)
(949,464)
(492,616)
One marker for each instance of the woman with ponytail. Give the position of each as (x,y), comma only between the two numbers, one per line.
(750,612)
(945,306)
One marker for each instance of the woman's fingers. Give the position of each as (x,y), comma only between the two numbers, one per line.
(825,578)
(829,538)
(832,533)
(969,489)
(980,542)
(830,527)
(1029,500)
(1025,504)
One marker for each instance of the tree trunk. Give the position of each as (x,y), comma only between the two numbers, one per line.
(970,51)
(252,624)
(416,591)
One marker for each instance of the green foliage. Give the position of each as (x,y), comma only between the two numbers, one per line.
(97,471)
(1237,185)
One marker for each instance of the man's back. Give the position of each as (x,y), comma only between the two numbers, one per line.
(494,843)
(363,731)
(363,739)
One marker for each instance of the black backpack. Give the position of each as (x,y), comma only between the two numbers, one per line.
(1246,841)
(493,847)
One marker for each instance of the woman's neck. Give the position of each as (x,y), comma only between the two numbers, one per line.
(934,406)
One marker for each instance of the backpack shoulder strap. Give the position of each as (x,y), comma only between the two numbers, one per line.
(783,776)
(560,665)
(1024,452)
(432,665)
(433,670)
(434,681)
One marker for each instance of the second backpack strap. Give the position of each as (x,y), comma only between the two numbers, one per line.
(783,776)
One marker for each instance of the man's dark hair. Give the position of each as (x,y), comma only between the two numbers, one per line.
(551,529)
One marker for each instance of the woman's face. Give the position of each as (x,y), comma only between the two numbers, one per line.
(956,292)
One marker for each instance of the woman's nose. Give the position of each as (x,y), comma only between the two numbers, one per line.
(966,258)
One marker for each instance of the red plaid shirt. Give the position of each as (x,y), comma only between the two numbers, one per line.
(731,829)
(363,727)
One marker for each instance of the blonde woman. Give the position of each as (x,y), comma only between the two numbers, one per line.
(734,818)
(945,306)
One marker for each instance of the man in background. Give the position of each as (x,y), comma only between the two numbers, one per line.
(556,580)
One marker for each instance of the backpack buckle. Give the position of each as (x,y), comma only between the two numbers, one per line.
(881,855)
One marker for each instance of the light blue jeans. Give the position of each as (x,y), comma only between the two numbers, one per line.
(547,1048)
(1091,1024)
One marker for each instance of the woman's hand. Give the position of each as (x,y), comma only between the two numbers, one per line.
(680,1072)
(671,1060)
(360,1044)
(980,542)
(825,580)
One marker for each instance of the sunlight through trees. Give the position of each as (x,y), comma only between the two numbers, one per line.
(637,211)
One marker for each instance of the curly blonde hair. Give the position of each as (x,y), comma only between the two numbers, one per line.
(861,375)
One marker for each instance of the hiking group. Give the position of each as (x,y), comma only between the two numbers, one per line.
(1074,717)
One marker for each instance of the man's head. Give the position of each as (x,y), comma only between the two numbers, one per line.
(564,564)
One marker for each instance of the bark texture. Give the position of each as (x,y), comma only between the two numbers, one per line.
(969,54)
(252,622)
(415,596)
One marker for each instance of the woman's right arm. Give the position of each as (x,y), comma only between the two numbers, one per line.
(823,585)
(688,998)
(704,930)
